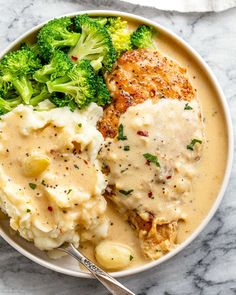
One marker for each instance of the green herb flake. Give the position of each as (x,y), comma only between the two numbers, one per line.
(28,210)
(123,170)
(187,107)
(192,143)
(80,125)
(76,166)
(121,135)
(151,158)
(131,257)
(69,191)
(126,148)
(126,193)
(32,185)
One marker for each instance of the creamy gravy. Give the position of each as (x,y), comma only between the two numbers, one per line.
(49,182)
(210,169)
(152,168)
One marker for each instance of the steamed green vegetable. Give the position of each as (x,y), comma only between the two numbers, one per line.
(6,88)
(7,105)
(94,44)
(61,100)
(101,20)
(16,69)
(58,66)
(103,94)
(142,37)
(79,84)
(120,34)
(68,62)
(40,95)
(56,34)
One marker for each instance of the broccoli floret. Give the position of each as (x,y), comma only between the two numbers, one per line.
(7,105)
(120,34)
(142,37)
(79,83)
(31,46)
(103,95)
(5,87)
(7,91)
(59,65)
(61,100)
(16,69)
(101,20)
(56,34)
(40,95)
(94,44)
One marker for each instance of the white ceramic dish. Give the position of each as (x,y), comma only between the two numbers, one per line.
(66,265)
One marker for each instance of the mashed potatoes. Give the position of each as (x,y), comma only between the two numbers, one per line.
(50,182)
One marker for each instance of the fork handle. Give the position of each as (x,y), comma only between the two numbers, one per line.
(115,287)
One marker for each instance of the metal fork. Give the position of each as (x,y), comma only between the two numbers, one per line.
(112,285)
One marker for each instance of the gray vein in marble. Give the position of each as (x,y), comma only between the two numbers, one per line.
(208,265)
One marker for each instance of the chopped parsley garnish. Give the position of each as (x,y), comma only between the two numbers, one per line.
(131,257)
(69,191)
(187,107)
(192,143)
(151,158)
(126,193)
(121,135)
(80,125)
(76,166)
(28,210)
(126,148)
(32,185)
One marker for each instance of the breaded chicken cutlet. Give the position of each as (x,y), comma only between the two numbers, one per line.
(139,75)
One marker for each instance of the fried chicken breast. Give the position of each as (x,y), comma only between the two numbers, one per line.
(137,76)
(150,169)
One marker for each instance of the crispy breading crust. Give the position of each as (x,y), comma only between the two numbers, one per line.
(156,237)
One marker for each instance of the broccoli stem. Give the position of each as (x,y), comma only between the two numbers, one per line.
(40,97)
(69,88)
(24,88)
(87,50)
(59,85)
(8,105)
(44,73)
(67,42)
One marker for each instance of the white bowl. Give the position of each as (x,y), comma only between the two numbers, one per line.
(67,265)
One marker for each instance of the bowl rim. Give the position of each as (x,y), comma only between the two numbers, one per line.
(228,167)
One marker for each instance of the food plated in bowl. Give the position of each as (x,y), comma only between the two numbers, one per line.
(150,169)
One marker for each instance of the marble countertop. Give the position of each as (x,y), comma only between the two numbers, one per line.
(208,265)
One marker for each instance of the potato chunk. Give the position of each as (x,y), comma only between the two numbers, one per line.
(35,165)
(113,256)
